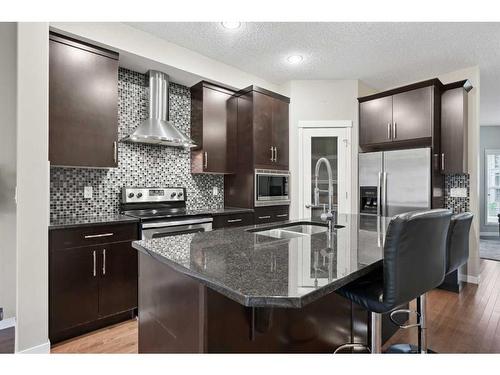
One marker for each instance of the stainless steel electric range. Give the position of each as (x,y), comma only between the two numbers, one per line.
(162,212)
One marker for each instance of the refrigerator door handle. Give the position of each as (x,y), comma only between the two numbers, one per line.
(379,197)
(384,193)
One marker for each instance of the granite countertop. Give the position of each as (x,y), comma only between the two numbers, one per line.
(260,271)
(74,222)
(217,211)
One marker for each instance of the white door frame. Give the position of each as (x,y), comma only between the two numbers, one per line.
(347,124)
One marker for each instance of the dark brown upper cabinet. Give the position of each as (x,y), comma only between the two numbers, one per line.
(402,117)
(270,130)
(83,104)
(261,121)
(375,119)
(454,114)
(209,129)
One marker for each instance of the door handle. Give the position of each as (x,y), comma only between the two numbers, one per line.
(104,262)
(388,130)
(206,160)
(442,161)
(95,270)
(384,193)
(272,153)
(275,154)
(394,130)
(115,152)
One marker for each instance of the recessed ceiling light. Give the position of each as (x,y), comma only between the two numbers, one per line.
(295,59)
(231,25)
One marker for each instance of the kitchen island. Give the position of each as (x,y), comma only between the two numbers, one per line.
(256,289)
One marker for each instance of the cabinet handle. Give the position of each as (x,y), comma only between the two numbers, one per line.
(282,215)
(104,262)
(95,273)
(442,161)
(265,217)
(394,130)
(206,160)
(98,235)
(272,153)
(234,220)
(115,152)
(388,130)
(275,154)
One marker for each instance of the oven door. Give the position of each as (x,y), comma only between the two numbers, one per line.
(271,188)
(165,228)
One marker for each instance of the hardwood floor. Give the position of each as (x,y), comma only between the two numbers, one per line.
(463,323)
(118,338)
(458,323)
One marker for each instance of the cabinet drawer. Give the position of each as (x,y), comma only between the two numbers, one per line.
(270,214)
(92,235)
(233,220)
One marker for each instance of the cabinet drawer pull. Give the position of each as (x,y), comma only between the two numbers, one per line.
(234,220)
(104,262)
(265,217)
(282,215)
(98,235)
(95,272)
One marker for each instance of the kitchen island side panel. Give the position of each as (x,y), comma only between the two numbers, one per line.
(177,314)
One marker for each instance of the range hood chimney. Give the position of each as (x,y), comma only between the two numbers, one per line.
(157,129)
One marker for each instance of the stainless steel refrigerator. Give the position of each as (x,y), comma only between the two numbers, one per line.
(393,182)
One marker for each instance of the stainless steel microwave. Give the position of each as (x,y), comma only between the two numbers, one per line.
(271,187)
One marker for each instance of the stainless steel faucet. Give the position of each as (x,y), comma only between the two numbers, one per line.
(330,215)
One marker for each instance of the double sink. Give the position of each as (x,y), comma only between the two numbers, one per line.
(293,230)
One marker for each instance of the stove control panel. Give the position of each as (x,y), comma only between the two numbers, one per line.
(145,195)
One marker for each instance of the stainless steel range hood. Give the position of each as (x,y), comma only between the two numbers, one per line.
(157,129)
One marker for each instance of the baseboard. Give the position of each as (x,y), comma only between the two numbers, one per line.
(39,349)
(469,279)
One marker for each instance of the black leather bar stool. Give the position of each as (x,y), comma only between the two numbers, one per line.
(414,262)
(457,254)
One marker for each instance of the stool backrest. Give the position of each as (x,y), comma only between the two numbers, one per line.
(414,254)
(457,244)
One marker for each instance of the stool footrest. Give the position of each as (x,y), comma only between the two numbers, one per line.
(352,345)
(405,311)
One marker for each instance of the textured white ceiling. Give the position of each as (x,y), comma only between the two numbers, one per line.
(383,55)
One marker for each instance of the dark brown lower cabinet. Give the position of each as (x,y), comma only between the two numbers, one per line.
(233,220)
(90,286)
(270,214)
(118,280)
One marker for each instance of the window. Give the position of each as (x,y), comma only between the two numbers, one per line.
(492,177)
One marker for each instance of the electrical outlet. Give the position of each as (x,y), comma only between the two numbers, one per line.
(215,191)
(458,192)
(87,192)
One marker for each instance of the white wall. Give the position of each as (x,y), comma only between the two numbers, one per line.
(473,75)
(8,67)
(32,187)
(322,100)
(125,38)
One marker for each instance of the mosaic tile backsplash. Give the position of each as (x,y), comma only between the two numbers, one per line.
(138,164)
(456,204)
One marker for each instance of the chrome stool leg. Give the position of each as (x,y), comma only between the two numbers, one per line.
(376,333)
(422,328)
